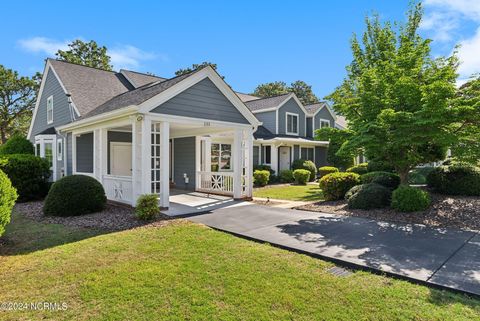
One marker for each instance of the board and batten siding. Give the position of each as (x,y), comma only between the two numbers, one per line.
(291,106)
(202,100)
(323,114)
(184,162)
(268,120)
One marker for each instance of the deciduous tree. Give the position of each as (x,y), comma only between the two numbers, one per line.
(87,54)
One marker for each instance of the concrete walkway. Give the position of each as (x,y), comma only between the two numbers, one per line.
(444,257)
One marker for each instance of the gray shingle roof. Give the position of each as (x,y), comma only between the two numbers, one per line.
(138,79)
(265,103)
(89,87)
(246,97)
(313,108)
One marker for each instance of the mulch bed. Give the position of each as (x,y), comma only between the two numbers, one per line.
(113,218)
(445,211)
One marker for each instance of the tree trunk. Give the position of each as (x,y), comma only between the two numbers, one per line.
(403,176)
(3,136)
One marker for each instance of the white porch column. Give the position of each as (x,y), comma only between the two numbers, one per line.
(274,158)
(164,164)
(146,155)
(136,159)
(249,163)
(237,163)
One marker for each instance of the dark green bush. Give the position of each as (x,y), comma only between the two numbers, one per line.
(29,175)
(410,199)
(387,179)
(335,185)
(17,144)
(286,176)
(147,207)
(379,166)
(306,164)
(456,179)
(359,169)
(8,196)
(325,170)
(301,176)
(75,195)
(418,176)
(368,196)
(261,177)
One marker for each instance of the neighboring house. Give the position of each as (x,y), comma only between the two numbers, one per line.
(139,134)
(287,130)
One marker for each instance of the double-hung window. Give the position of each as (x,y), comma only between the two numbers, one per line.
(266,155)
(324,123)
(50,110)
(292,123)
(59,149)
(307,153)
(221,157)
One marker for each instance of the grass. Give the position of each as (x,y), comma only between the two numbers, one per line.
(187,271)
(309,192)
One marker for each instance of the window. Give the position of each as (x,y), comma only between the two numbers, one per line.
(267,155)
(37,149)
(324,123)
(292,123)
(307,153)
(49,153)
(50,110)
(59,149)
(221,157)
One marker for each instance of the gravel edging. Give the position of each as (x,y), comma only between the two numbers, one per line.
(112,218)
(445,211)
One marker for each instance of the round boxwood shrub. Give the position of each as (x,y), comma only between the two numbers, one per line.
(147,207)
(75,195)
(8,196)
(368,196)
(261,177)
(386,179)
(29,175)
(17,144)
(335,185)
(264,168)
(306,164)
(359,169)
(286,176)
(301,176)
(456,179)
(325,170)
(410,199)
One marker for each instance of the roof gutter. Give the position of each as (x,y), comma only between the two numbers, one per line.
(125,111)
(294,141)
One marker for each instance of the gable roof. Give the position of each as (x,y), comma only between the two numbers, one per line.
(246,97)
(267,103)
(138,79)
(313,109)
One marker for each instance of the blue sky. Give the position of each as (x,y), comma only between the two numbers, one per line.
(251,41)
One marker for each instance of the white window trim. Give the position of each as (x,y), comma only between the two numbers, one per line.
(50,99)
(324,120)
(60,144)
(286,123)
(41,140)
(74,153)
(263,155)
(222,142)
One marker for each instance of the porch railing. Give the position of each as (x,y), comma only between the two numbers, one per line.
(215,182)
(118,188)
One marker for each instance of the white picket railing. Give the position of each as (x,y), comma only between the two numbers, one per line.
(118,188)
(215,182)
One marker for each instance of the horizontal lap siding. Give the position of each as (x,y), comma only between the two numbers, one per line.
(184,162)
(291,106)
(268,120)
(323,114)
(203,100)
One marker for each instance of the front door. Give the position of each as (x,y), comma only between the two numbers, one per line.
(284,152)
(121,159)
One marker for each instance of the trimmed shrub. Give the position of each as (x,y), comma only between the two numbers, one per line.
(368,196)
(359,169)
(410,199)
(418,176)
(325,170)
(379,166)
(306,164)
(286,176)
(8,196)
(264,168)
(17,144)
(147,207)
(298,164)
(261,177)
(456,179)
(75,195)
(335,185)
(29,175)
(301,176)
(386,179)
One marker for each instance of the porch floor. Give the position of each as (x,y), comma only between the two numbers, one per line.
(185,203)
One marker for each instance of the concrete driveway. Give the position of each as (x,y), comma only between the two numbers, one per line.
(445,257)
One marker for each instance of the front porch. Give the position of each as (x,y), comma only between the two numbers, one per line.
(145,153)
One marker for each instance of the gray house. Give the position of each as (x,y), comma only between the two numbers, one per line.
(140,134)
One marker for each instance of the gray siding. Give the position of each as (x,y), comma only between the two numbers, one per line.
(203,100)
(113,136)
(320,156)
(68,149)
(85,153)
(268,119)
(61,112)
(296,152)
(256,155)
(309,128)
(323,114)
(292,107)
(184,162)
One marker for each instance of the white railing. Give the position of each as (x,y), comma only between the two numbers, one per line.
(215,182)
(118,188)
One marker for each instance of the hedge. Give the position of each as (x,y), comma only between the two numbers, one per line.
(286,176)
(387,179)
(335,185)
(359,169)
(456,179)
(8,196)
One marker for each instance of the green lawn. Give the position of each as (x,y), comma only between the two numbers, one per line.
(187,271)
(310,192)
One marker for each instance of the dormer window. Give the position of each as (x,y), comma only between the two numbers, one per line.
(292,124)
(50,110)
(324,123)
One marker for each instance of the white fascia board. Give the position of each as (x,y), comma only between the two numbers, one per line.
(325,105)
(296,141)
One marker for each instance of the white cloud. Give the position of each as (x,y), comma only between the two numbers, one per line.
(467,8)
(43,45)
(441,24)
(469,55)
